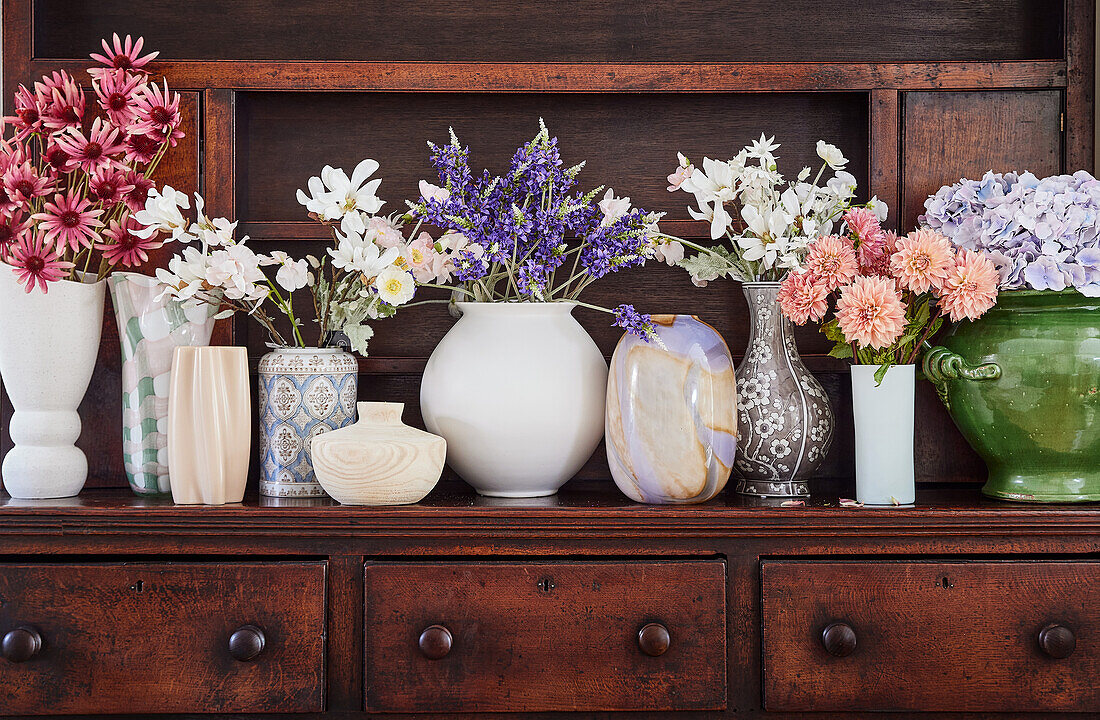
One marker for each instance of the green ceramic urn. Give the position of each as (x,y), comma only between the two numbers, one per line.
(1023,386)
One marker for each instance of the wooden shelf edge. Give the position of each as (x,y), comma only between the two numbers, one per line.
(308,230)
(592,77)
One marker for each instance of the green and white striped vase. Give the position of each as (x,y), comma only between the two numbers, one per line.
(149,330)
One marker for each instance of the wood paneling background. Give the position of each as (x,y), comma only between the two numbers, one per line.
(916,94)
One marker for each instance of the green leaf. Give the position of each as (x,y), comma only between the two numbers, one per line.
(841,350)
(880,373)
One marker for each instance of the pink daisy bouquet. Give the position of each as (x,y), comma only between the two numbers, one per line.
(887,295)
(76,166)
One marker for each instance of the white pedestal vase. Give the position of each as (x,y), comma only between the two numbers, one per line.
(48,347)
(884,435)
(517,390)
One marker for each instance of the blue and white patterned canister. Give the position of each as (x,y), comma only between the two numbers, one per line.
(303,392)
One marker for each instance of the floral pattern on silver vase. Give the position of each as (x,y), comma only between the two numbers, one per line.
(784,419)
(303,392)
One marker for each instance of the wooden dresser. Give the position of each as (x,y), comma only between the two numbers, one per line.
(583,603)
(586,602)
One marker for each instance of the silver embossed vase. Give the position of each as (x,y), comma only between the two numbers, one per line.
(671,416)
(303,392)
(784,420)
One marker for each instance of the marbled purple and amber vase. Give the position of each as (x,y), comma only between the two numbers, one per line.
(671,414)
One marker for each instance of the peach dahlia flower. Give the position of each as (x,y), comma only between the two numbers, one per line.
(870,313)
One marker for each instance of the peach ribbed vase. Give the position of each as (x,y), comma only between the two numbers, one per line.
(209,425)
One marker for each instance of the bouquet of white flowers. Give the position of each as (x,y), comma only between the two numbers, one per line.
(770,222)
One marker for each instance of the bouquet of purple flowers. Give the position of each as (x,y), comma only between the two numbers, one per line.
(528,235)
(1040,234)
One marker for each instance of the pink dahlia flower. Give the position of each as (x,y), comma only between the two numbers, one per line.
(803,297)
(122,55)
(93,151)
(971,288)
(863,223)
(68,223)
(833,260)
(923,260)
(870,312)
(34,261)
(122,247)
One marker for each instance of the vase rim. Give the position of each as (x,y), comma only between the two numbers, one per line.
(563,307)
(762,283)
(137,277)
(302,350)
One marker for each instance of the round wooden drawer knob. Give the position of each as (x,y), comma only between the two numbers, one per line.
(1058,641)
(435,642)
(653,639)
(20,644)
(839,639)
(246,643)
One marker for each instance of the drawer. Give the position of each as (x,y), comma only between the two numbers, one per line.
(935,636)
(155,638)
(445,637)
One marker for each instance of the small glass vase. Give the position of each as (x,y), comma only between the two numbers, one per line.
(784,420)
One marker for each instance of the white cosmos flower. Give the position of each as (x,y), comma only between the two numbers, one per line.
(214,232)
(717,216)
(831,155)
(613,207)
(433,192)
(395,286)
(333,195)
(162,214)
(764,250)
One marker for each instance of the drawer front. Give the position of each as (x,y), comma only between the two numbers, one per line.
(445,637)
(151,638)
(949,636)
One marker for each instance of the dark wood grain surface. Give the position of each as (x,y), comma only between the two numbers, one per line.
(543,636)
(155,637)
(923,627)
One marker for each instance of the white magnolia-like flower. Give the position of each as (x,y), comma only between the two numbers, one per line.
(433,192)
(395,286)
(333,195)
(293,275)
(236,270)
(613,207)
(162,214)
(803,174)
(352,252)
(670,251)
(831,155)
(213,232)
(184,276)
(842,185)
(880,208)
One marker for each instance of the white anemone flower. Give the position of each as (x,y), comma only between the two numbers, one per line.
(352,253)
(831,155)
(293,275)
(395,286)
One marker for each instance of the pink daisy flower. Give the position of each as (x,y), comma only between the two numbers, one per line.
(923,260)
(862,222)
(870,312)
(11,229)
(158,114)
(33,260)
(122,247)
(833,260)
(117,91)
(971,288)
(108,186)
(94,151)
(803,297)
(8,203)
(62,101)
(56,158)
(28,114)
(141,148)
(123,55)
(138,193)
(68,222)
(23,183)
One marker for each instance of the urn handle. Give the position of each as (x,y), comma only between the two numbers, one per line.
(941,365)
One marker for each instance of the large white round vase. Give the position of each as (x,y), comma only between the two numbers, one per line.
(517,389)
